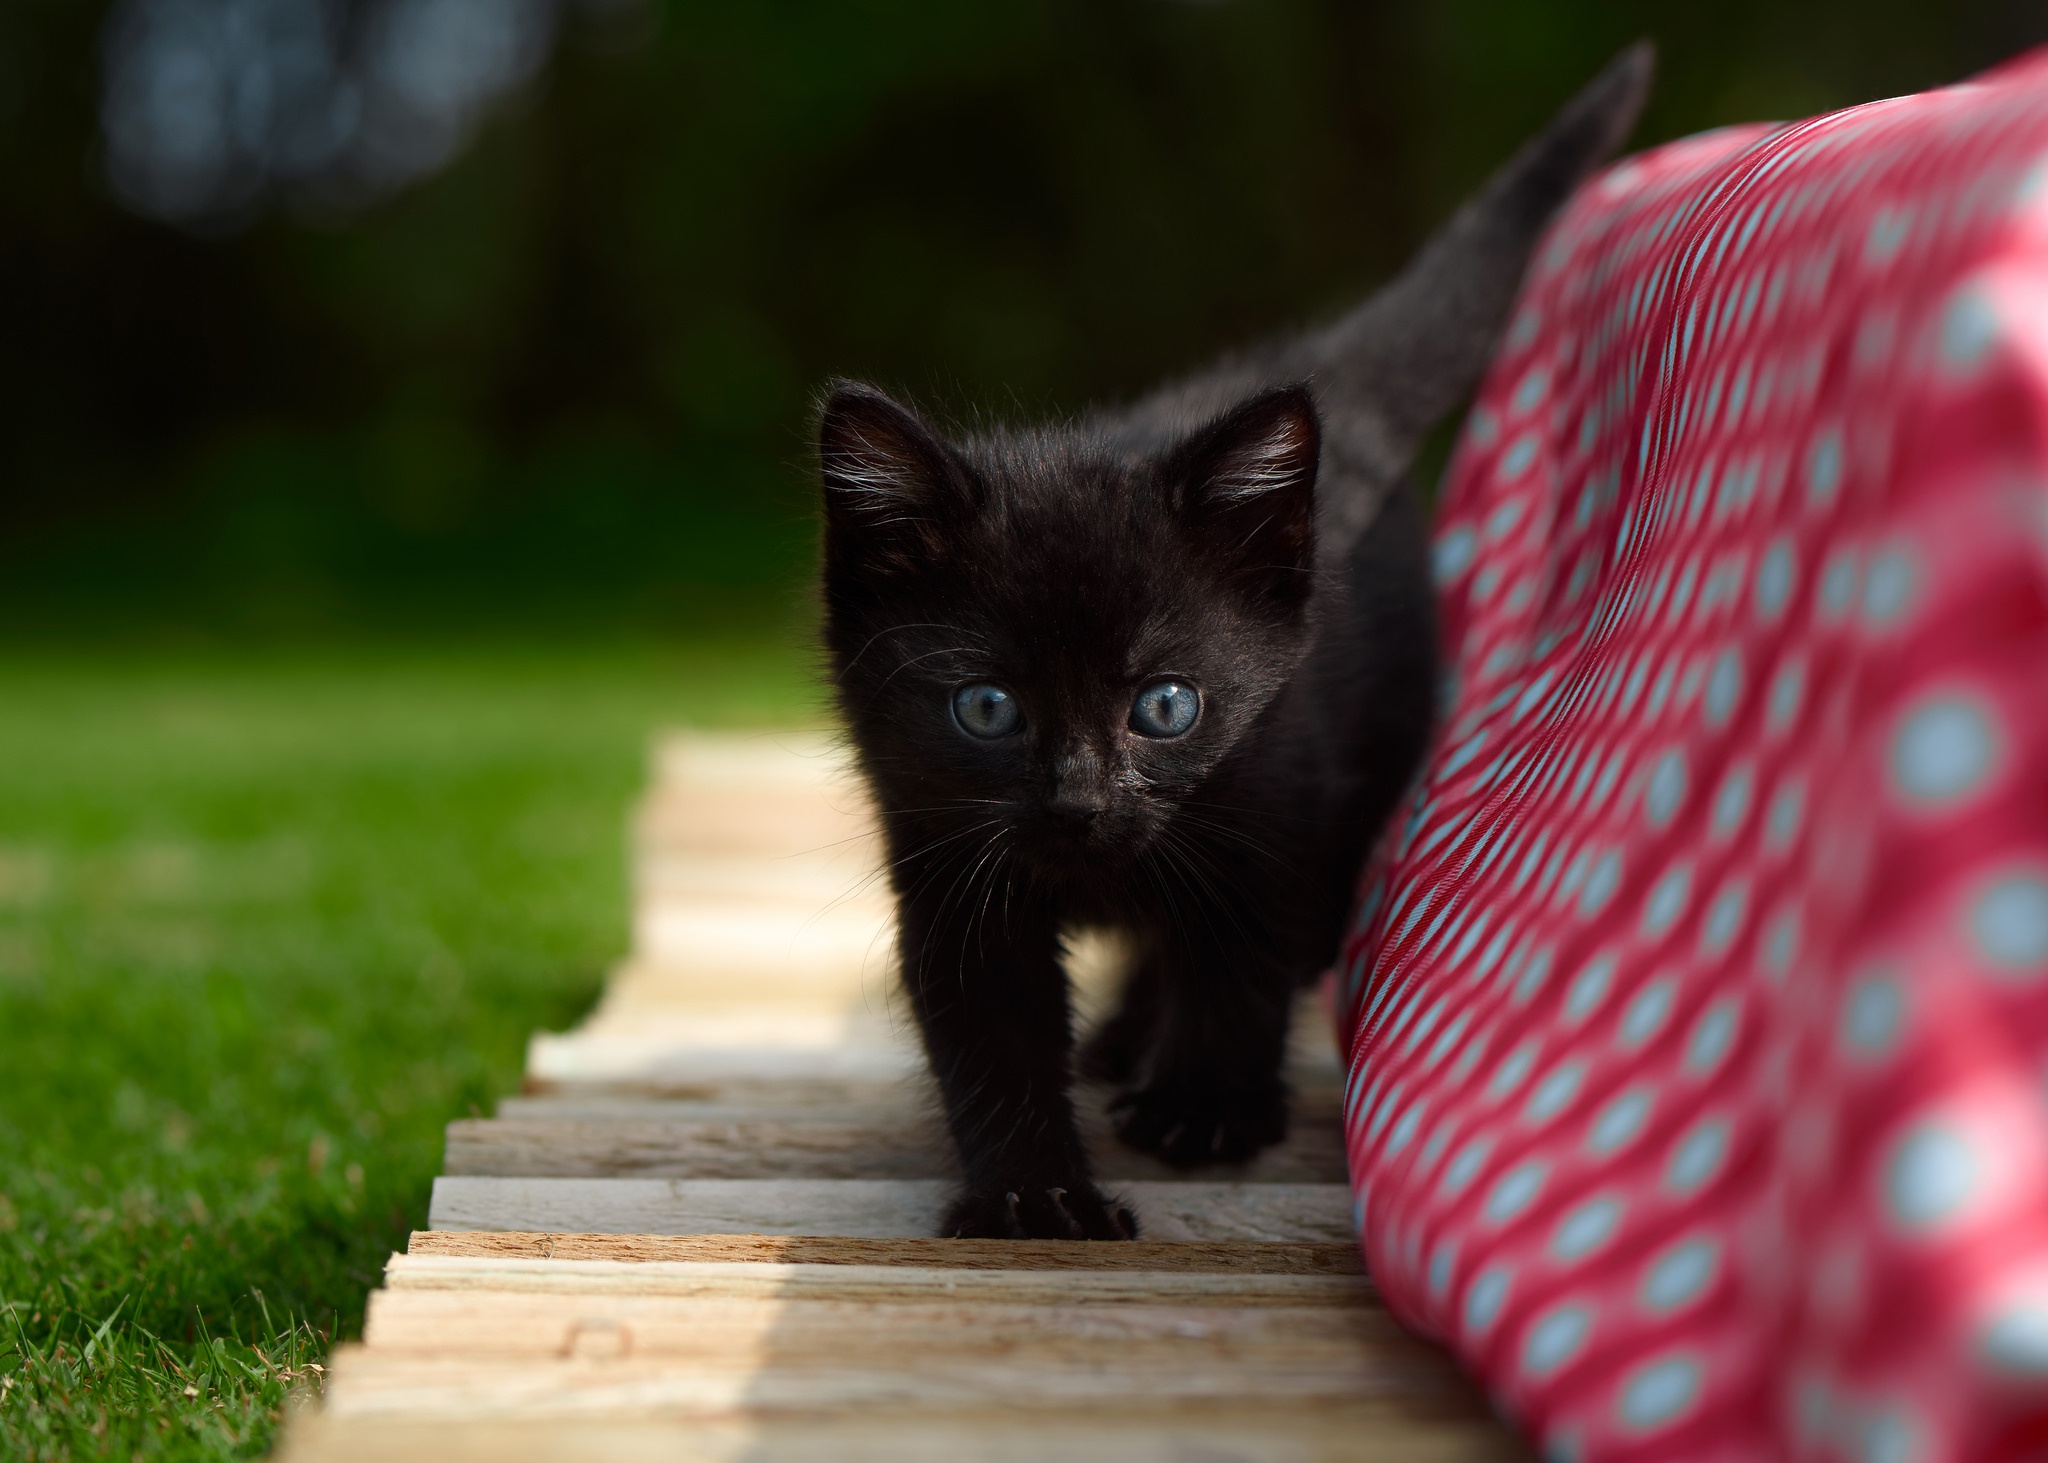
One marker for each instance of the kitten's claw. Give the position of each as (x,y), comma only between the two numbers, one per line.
(1189,1125)
(1073,1211)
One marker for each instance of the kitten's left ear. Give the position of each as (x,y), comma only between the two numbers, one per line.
(1247,493)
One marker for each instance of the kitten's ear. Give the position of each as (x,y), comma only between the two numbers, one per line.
(1247,493)
(887,479)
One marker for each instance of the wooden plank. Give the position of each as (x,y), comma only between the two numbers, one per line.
(723,1332)
(912,1099)
(736,1280)
(606,1377)
(795,1093)
(843,943)
(861,1208)
(1354,1432)
(1189,1256)
(907,1143)
(656,1060)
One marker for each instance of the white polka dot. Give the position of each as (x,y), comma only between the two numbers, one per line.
(1647,1012)
(1824,468)
(1697,1157)
(1405,1127)
(1724,918)
(1454,554)
(1483,1299)
(1781,823)
(1680,1275)
(1888,588)
(1554,1339)
(2009,922)
(2016,1340)
(1513,1068)
(1712,1035)
(1774,580)
(1873,1013)
(1781,945)
(1619,1122)
(1889,1437)
(1969,329)
(1788,688)
(1448,1042)
(1601,883)
(1465,1167)
(1585,1229)
(1589,988)
(1667,900)
(1515,461)
(1930,1178)
(1666,789)
(1724,687)
(1563,1445)
(1534,974)
(1943,749)
(1731,803)
(1838,584)
(1515,1192)
(1554,1093)
(1660,1393)
(1442,1264)
(1813,1408)
(1438,1141)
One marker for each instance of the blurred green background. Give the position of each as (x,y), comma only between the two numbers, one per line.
(562,384)
(356,535)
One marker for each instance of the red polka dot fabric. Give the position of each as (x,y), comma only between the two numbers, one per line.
(1698,1087)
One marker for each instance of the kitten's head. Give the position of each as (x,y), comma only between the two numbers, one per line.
(1055,635)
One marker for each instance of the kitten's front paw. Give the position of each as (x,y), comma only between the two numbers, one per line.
(1033,1211)
(1188,1123)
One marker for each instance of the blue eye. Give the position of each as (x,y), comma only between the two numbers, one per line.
(986,711)
(1166,709)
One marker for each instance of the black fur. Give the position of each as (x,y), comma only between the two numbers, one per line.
(1244,532)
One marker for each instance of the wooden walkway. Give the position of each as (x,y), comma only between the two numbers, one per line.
(703,1232)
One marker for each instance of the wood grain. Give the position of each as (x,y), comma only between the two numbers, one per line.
(861,1208)
(1189,1256)
(606,1377)
(704,1233)
(1356,1431)
(900,1283)
(906,1143)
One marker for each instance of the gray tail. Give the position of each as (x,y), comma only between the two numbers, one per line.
(1397,364)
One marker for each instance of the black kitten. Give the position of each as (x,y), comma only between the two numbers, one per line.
(1167,671)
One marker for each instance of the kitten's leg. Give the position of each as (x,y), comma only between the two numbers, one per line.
(1211,1091)
(991,1000)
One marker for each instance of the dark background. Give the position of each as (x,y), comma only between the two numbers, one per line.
(560,385)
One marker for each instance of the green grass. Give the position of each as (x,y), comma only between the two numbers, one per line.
(265,926)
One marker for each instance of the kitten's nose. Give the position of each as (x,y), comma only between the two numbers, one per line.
(1075,805)
(1077,792)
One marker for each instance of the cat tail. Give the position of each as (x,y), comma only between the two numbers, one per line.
(1396,365)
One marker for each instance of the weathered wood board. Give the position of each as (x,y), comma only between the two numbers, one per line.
(704,1232)
(1251,1432)
(861,1208)
(1247,1257)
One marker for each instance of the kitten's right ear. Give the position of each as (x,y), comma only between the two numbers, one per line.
(885,476)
